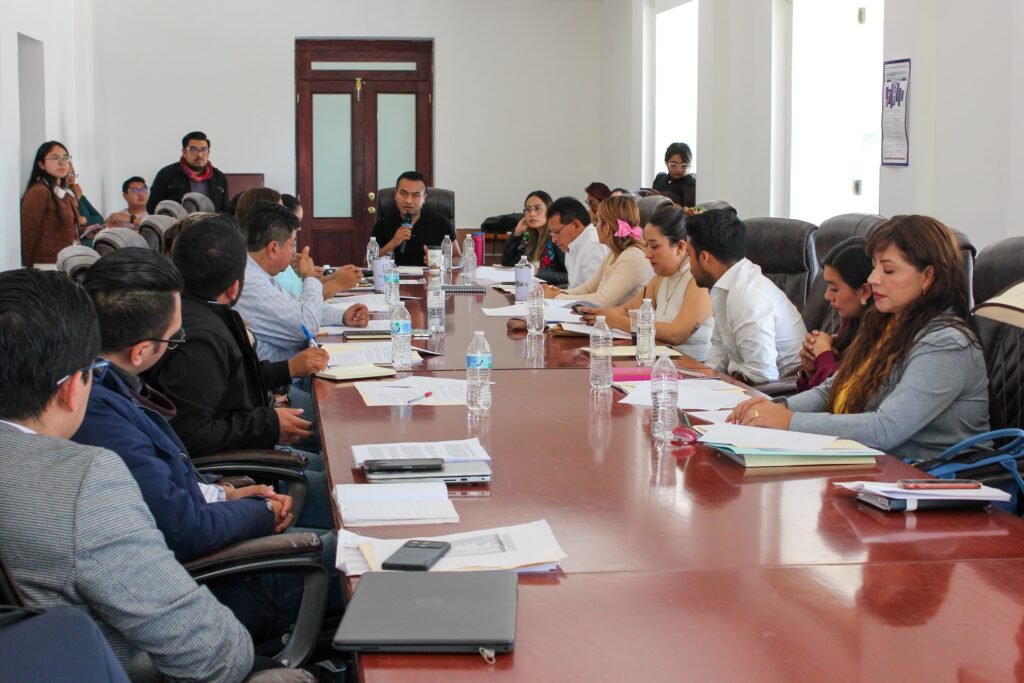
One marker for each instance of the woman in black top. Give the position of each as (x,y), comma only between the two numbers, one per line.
(531,238)
(678,184)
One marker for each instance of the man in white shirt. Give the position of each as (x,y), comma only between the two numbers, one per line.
(571,231)
(758,331)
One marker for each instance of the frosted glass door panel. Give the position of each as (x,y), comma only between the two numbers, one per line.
(332,155)
(396,137)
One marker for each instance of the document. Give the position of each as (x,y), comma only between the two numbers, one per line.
(334,330)
(362,353)
(348,558)
(630,351)
(583,329)
(495,274)
(465,450)
(360,371)
(523,547)
(419,503)
(891,490)
(712,416)
(413,390)
(410,270)
(762,438)
(373,302)
(694,394)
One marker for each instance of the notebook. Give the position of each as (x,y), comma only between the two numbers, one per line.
(476,472)
(431,612)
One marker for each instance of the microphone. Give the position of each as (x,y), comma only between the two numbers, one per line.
(406,223)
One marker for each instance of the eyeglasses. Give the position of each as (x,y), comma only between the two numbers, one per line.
(674,165)
(533,209)
(174,342)
(57,158)
(198,150)
(98,368)
(139,190)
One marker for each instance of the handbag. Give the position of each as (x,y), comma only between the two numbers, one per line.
(979,459)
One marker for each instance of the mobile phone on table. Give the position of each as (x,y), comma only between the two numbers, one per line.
(925,484)
(417,556)
(407,465)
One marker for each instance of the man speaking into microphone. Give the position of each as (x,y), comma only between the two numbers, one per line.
(408,229)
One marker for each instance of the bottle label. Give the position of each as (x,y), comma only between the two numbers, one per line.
(478,360)
(401,327)
(393,276)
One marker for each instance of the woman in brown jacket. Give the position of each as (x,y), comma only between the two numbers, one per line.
(49,210)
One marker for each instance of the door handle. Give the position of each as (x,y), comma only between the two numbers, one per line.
(371,210)
(371,196)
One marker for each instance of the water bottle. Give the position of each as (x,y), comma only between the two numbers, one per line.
(435,302)
(372,251)
(600,355)
(446,253)
(469,260)
(478,374)
(645,335)
(524,276)
(391,283)
(401,337)
(665,398)
(535,310)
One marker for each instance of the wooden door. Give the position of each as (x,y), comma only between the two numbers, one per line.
(363,115)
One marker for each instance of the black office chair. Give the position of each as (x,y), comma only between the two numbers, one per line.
(111,239)
(438,201)
(648,206)
(716,204)
(75,261)
(784,248)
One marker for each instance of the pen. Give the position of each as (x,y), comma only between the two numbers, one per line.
(312,342)
(426,395)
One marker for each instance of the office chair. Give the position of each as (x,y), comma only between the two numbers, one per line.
(648,206)
(75,261)
(784,248)
(169,207)
(716,204)
(110,239)
(153,228)
(195,202)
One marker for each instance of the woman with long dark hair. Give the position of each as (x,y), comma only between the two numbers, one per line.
(532,240)
(913,381)
(846,269)
(49,209)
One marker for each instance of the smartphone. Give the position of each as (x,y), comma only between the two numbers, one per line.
(417,556)
(409,465)
(939,484)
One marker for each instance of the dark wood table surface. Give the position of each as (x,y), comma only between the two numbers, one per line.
(681,564)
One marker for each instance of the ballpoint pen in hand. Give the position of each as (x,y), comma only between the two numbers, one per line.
(309,336)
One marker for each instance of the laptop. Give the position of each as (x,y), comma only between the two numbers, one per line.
(474,472)
(430,612)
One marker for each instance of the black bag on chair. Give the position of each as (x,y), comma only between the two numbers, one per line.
(500,224)
(998,467)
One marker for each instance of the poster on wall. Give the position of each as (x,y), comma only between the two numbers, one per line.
(895,101)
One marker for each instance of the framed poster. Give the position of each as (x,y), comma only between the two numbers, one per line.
(895,102)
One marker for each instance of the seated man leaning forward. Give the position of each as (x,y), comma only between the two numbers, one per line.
(408,228)
(758,331)
(572,232)
(75,529)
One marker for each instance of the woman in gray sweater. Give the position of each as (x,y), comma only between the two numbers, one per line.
(913,382)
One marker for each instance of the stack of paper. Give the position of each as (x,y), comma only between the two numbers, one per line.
(413,390)
(893,497)
(760,447)
(465,450)
(694,394)
(379,325)
(419,503)
(493,274)
(552,314)
(362,354)
(581,329)
(630,351)
(530,547)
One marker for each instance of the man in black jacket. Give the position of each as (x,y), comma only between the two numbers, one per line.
(193,172)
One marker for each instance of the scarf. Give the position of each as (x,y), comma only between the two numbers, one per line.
(194,176)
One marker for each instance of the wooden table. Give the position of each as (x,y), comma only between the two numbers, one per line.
(681,564)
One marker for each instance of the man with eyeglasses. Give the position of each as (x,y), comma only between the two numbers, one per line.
(75,529)
(135,193)
(192,173)
(571,231)
(678,184)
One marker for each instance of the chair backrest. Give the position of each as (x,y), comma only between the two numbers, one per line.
(999,266)
(197,201)
(110,239)
(439,201)
(716,204)
(649,206)
(75,260)
(154,227)
(818,314)
(969,252)
(169,207)
(784,248)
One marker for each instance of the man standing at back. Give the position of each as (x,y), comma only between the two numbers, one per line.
(571,231)
(193,172)
(758,331)
(407,229)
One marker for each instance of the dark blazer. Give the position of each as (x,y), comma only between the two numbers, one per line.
(685,188)
(217,382)
(120,420)
(172,183)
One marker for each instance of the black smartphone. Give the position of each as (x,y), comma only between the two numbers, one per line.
(409,465)
(417,556)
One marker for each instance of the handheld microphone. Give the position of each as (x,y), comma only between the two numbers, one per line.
(406,223)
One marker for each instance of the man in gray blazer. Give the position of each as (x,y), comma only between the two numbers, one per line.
(74,528)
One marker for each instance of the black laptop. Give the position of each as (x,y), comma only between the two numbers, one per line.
(431,612)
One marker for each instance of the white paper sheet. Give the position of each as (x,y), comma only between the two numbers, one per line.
(362,353)
(383,325)
(692,395)
(712,416)
(582,328)
(495,274)
(464,450)
(552,314)
(410,390)
(373,302)
(418,503)
(744,436)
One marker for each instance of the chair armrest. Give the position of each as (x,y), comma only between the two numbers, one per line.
(266,456)
(263,550)
(261,464)
(237,481)
(780,388)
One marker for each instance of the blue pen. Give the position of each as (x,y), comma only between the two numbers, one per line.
(312,342)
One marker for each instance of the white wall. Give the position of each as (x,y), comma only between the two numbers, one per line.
(65,29)
(516,88)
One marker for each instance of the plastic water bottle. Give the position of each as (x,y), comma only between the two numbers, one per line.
(401,337)
(600,355)
(435,302)
(391,283)
(535,310)
(645,335)
(469,260)
(446,253)
(372,251)
(665,398)
(478,375)
(524,276)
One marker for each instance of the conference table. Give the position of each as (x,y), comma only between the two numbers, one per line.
(681,565)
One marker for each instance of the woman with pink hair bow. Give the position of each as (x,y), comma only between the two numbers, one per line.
(625,270)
